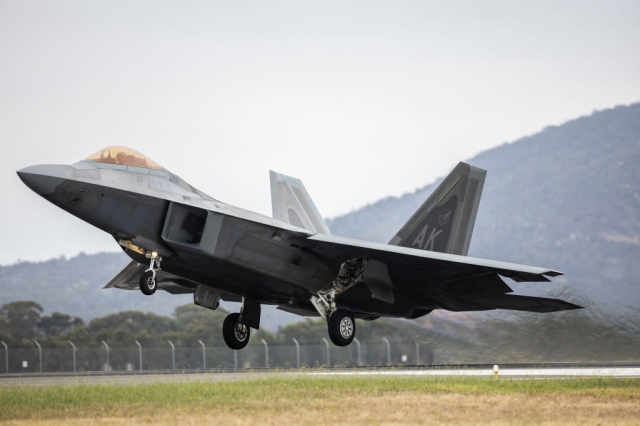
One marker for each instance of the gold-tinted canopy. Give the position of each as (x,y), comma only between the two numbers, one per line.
(123,156)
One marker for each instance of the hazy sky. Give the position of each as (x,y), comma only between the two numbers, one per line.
(360,100)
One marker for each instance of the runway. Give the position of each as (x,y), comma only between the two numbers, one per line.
(507,371)
(502,373)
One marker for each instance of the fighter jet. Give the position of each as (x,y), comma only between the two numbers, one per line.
(181,240)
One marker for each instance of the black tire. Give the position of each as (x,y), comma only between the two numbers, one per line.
(235,335)
(148,284)
(342,327)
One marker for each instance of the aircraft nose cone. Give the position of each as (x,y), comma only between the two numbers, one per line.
(43,178)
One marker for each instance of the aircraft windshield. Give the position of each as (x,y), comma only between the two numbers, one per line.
(125,157)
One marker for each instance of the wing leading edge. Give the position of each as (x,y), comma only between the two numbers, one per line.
(519,273)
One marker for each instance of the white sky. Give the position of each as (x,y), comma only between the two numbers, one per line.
(360,100)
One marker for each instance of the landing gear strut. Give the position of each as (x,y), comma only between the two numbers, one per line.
(148,283)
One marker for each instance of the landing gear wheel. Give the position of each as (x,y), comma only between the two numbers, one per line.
(235,334)
(148,283)
(342,327)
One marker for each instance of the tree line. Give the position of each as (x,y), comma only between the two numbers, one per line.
(22,322)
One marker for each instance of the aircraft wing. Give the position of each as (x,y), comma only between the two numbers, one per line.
(128,278)
(456,283)
(450,264)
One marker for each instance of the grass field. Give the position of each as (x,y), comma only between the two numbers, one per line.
(304,400)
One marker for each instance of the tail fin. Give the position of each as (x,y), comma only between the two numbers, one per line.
(444,223)
(291,203)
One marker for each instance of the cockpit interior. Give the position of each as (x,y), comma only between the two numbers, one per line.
(123,156)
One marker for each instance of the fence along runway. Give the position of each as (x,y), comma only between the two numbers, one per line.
(506,371)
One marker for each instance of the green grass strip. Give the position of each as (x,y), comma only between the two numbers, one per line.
(31,402)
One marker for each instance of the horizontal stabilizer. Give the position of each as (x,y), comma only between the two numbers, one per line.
(525,303)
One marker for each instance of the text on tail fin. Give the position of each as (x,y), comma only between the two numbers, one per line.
(444,223)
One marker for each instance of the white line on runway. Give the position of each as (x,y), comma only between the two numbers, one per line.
(522,372)
(144,379)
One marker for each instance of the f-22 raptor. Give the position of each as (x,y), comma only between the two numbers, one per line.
(183,241)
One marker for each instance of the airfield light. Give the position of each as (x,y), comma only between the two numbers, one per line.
(496,370)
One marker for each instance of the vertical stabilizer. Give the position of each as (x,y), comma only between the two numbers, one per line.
(444,223)
(291,203)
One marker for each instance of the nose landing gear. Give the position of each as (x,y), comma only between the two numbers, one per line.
(148,283)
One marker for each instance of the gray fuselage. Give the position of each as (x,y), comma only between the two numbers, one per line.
(201,239)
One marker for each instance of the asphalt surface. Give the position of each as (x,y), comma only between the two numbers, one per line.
(512,371)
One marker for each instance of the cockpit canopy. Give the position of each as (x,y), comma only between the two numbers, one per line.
(123,156)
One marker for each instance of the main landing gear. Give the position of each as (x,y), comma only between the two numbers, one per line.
(342,327)
(341,323)
(148,284)
(236,328)
(236,335)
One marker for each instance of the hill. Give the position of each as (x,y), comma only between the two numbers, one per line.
(74,286)
(566,198)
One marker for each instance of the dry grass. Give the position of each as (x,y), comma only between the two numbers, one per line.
(311,401)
